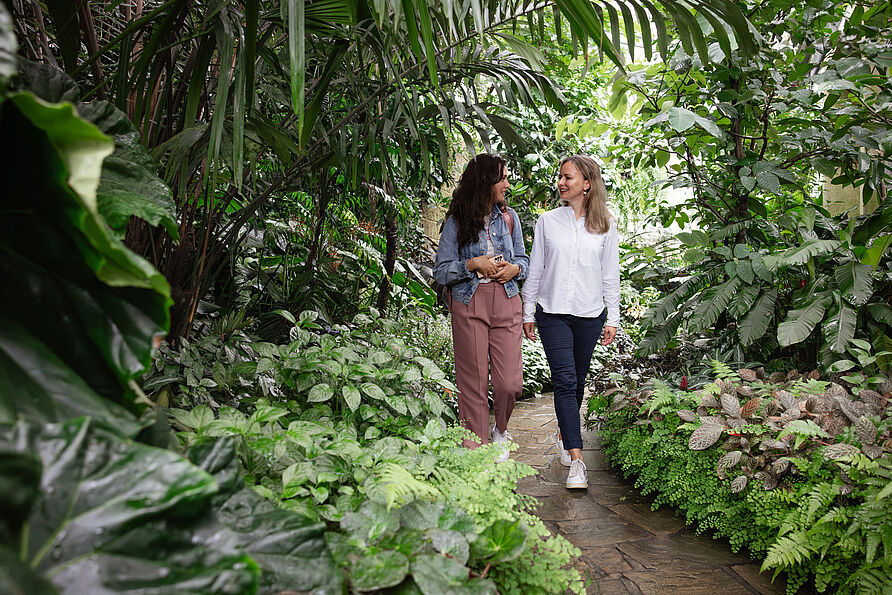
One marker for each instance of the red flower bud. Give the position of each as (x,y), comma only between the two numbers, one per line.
(684,383)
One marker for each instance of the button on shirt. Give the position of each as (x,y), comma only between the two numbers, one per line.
(572,271)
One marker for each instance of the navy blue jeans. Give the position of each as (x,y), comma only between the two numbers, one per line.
(569,342)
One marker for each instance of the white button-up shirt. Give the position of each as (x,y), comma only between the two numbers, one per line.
(572,271)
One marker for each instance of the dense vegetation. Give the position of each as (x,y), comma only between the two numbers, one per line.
(224,370)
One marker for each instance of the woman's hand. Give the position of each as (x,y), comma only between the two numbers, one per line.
(483,265)
(507,271)
(529,330)
(609,334)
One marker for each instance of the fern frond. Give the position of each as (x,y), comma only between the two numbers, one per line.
(874,578)
(788,551)
(663,396)
(398,485)
(820,496)
(722,370)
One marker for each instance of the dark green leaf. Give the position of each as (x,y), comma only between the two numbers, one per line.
(755,324)
(839,328)
(129,186)
(113,513)
(378,571)
(89,300)
(801,321)
(855,281)
(502,541)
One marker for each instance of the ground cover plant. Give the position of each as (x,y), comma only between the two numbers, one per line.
(793,468)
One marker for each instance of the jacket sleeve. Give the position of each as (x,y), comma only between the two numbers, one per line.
(449,268)
(534,277)
(520,250)
(610,275)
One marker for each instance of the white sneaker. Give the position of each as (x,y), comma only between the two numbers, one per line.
(565,454)
(501,439)
(576,476)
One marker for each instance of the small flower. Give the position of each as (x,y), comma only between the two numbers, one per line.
(684,383)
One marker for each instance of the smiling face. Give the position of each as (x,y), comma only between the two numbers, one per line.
(501,187)
(571,183)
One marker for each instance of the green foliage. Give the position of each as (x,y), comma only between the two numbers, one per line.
(819,513)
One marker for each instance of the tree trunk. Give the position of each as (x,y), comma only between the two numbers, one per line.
(391,237)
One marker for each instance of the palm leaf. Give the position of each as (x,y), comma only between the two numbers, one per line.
(800,254)
(839,328)
(756,322)
(744,301)
(715,301)
(855,281)
(658,336)
(801,321)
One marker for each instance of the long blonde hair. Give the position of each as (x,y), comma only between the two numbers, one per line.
(597,216)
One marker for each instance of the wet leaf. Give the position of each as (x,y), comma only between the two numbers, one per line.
(378,571)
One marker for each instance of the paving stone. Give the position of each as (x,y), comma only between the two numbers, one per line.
(760,582)
(658,522)
(608,560)
(569,505)
(607,489)
(600,531)
(683,549)
(690,581)
(613,586)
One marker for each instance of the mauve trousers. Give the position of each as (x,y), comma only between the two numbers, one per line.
(486,336)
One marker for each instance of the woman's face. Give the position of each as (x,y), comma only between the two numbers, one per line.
(501,187)
(571,183)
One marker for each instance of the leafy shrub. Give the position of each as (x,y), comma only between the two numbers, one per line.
(798,473)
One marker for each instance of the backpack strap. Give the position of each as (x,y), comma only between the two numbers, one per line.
(509,220)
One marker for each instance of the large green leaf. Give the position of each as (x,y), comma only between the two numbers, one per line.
(129,185)
(756,322)
(715,300)
(800,254)
(502,541)
(801,321)
(289,548)
(855,281)
(79,291)
(839,328)
(118,516)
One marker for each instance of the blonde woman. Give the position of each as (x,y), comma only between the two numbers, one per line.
(572,295)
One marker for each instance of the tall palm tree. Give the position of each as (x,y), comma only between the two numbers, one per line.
(215,87)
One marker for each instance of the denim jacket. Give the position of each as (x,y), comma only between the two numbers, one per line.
(450,269)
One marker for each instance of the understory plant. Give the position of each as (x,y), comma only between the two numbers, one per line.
(793,468)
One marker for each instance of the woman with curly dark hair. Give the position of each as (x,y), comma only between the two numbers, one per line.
(480,259)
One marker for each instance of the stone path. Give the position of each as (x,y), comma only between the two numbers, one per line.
(626,547)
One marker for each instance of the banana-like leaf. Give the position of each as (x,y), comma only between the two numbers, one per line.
(741,305)
(663,308)
(800,254)
(855,281)
(839,327)
(715,301)
(755,323)
(86,298)
(801,321)
(659,336)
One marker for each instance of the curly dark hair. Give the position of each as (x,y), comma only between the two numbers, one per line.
(473,198)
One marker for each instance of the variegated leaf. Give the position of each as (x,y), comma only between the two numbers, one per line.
(873,451)
(872,399)
(836,390)
(749,408)
(768,482)
(791,414)
(735,422)
(772,444)
(845,489)
(845,405)
(701,411)
(729,459)
(709,401)
(747,375)
(780,466)
(738,484)
(686,415)
(786,399)
(730,404)
(866,431)
(712,419)
(705,436)
(840,450)
(745,391)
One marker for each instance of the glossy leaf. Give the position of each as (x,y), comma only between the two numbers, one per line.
(855,281)
(502,541)
(755,323)
(102,522)
(839,328)
(801,321)
(107,305)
